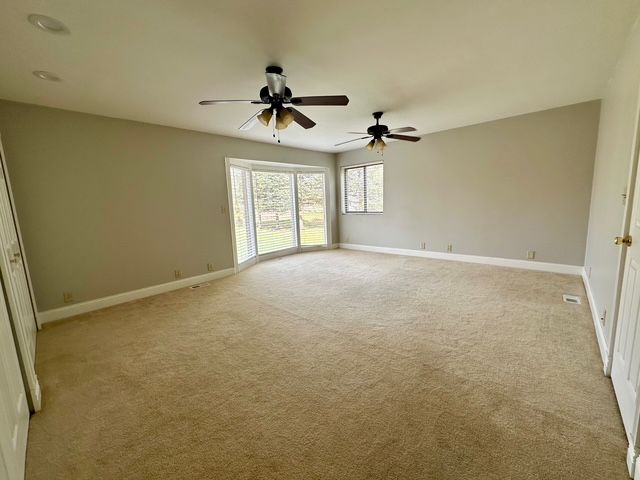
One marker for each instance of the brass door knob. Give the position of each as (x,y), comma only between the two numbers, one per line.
(623,240)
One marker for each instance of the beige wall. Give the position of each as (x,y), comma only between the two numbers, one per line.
(109,206)
(495,189)
(614,159)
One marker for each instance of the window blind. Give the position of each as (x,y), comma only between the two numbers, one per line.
(274,211)
(363,188)
(311,209)
(242,213)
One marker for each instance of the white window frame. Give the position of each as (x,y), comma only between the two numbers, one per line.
(265,166)
(343,188)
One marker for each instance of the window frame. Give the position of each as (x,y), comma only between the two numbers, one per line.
(343,182)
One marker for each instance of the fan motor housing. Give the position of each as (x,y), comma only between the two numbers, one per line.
(377,130)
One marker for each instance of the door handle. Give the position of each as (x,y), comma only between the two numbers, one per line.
(627,240)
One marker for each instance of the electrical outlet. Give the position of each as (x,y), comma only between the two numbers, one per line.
(223,209)
(603,317)
(423,245)
(210,267)
(531,254)
(67,297)
(450,248)
(177,273)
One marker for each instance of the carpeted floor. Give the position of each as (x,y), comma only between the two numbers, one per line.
(332,365)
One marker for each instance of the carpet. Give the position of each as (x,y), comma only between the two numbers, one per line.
(332,365)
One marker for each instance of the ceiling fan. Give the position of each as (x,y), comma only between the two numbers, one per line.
(278,97)
(377,132)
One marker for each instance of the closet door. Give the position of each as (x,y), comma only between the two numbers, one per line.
(16,287)
(14,411)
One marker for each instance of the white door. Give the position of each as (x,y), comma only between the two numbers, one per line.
(14,411)
(16,286)
(625,370)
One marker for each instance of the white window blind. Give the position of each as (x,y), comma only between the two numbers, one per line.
(274,211)
(363,188)
(311,209)
(242,214)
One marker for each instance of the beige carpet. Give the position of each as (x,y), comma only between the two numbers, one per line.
(332,365)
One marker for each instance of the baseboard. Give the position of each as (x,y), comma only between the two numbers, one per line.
(457,257)
(602,344)
(91,305)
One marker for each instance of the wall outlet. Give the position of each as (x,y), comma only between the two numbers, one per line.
(210,267)
(223,209)
(449,248)
(67,297)
(423,245)
(603,317)
(531,254)
(177,273)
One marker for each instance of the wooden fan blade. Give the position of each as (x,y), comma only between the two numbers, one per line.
(354,140)
(402,129)
(301,119)
(251,122)
(276,83)
(337,100)
(216,102)
(403,137)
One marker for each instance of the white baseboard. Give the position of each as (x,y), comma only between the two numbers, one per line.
(91,305)
(602,344)
(457,257)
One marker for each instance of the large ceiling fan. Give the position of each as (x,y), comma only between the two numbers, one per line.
(278,97)
(377,132)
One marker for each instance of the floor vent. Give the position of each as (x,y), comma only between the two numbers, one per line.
(200,285)
(571,299)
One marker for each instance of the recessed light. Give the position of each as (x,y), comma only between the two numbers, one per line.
(43,75)
(47,24)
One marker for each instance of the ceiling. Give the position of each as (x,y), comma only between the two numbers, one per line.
(431,64)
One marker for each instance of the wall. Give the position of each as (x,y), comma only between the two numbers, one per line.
(495,189)
(614,159)
(108,206)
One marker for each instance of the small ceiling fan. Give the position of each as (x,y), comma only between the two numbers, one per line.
(377,132)
(278,96)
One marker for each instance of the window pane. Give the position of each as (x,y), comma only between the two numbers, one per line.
(374,188)
(311,204)
(242,214)
(274,211)
(354,189)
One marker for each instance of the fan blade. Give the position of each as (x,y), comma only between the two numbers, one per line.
(216,102)
(402,129)
(301,119)
(354,140)
(320,100)
(359,133)
(251,122)
(276,83)
(403,137)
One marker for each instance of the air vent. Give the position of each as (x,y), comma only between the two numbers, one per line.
(571,299)
(200,285)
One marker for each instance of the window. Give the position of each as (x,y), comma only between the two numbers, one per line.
(363,187)
(276,210)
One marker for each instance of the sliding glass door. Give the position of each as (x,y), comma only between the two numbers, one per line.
(276,211)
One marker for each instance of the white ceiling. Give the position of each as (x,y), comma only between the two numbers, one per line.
(432,64)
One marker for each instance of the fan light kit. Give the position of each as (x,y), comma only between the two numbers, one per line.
(278,96)
(48,24)
(377,132)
